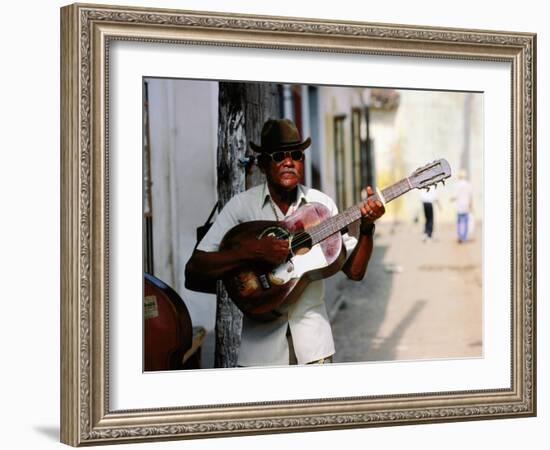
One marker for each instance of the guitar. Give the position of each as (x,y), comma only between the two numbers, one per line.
(315,248)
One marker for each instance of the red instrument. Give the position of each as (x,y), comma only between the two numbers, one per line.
(168,332)
(315,244)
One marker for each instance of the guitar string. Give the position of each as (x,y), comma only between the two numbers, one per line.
(328,227)
(331,226)
(298,240)
(334,224)
(324,230)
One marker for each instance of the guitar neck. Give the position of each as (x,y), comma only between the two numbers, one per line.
(352,214)
(396,190)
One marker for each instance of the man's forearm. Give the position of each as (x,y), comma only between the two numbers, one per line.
(212,265)
(371,210)
(205,268)
(356,265)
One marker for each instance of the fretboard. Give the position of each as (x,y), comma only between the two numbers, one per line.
(340,221)
(396,190)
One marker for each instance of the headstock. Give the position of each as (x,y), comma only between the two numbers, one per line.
(429,175)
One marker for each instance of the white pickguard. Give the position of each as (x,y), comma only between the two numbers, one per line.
(298,265)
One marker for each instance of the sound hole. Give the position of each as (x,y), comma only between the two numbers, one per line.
(301,243)
(276,232)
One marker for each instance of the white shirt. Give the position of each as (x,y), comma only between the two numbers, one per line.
(463,194)
(427,196)
(265,343)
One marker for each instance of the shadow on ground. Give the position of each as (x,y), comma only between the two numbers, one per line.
(360,310)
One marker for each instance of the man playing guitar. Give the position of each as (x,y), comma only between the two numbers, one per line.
(281,159)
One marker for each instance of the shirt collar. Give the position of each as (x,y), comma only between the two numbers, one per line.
(265,195)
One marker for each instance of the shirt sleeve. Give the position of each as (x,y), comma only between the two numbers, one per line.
(227,219)
(349,242)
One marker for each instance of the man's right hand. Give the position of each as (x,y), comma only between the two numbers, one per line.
(267,250)
(204,268)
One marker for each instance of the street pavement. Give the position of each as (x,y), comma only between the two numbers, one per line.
(419,300)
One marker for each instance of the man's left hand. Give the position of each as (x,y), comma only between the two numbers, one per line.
(371,209)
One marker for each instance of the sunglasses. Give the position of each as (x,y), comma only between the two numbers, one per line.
(296,155)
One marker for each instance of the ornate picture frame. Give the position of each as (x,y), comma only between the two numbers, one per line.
(87,32)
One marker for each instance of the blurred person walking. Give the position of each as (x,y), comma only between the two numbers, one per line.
(428,199)
(463,197)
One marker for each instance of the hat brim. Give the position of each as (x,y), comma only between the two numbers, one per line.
(286,147)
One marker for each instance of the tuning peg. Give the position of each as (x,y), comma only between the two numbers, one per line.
(443,182)
(428,189)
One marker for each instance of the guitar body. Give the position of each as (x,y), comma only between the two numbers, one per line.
(168,332)
(265,293)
